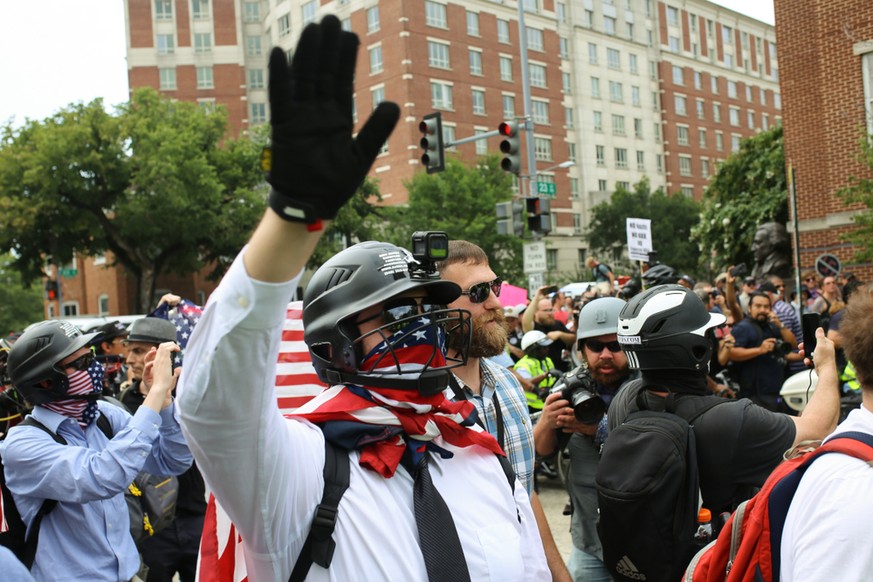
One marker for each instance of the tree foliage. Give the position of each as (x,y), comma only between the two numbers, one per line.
(461,201)
(158,184)
(672,219)
(748,189)
(860,191)
(20,305)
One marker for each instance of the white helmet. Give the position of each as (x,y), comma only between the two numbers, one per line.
(533,338)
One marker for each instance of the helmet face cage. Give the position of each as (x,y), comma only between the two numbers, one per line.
(432,327)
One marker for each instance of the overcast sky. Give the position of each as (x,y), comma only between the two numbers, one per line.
(56,52)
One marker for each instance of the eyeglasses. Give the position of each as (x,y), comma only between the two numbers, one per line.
(810,279)
(597,345)
(479,292)
(395,313)
(81,363)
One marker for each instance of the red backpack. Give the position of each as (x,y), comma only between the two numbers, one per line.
(747,549)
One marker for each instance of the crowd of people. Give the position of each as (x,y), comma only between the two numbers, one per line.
(419,460)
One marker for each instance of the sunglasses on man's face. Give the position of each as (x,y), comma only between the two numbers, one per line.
(479,292)
(395,312)
(81,363)
(597,346)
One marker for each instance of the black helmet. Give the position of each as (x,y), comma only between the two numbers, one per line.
(665,328)
(359,277)
(33,359)
(660,275)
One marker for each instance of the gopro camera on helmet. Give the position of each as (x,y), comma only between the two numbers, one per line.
(428,247)
(579,389)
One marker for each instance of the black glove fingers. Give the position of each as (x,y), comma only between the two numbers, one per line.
(328,58)
(345,75)
(305,63)
(280,79)
(374,133)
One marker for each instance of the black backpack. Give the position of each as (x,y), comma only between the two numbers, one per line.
(648,490)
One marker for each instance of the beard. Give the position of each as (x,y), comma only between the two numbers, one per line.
(488,340)
(609,379)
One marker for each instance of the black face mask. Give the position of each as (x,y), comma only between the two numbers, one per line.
(678,381)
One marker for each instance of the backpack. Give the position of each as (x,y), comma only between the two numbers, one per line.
(648,490)
(749,543)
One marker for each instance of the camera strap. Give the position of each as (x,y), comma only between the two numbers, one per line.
(461,395)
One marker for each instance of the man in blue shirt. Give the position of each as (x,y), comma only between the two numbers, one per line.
(87,535)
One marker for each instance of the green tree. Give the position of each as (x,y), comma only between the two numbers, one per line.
(672,219)
(20,305)
(748,189)
(158,184)
(860,191)
(461,201)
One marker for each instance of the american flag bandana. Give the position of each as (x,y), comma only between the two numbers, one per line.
(81,382)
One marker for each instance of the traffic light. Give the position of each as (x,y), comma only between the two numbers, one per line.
(431,128)
(510,218)
(51,290)
(510,147)
(539,218)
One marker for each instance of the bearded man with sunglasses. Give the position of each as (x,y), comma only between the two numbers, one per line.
(428,496)
(597,344)
(59,452)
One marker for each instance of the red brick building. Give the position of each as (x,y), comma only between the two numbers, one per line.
(826,55)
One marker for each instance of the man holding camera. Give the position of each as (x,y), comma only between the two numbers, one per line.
(762,342)
(608,368)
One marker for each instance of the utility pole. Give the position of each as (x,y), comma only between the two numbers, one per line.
(528,120)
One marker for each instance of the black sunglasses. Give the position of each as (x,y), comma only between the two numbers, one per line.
(479,292)
(597,346)
(81,363)
(395,313)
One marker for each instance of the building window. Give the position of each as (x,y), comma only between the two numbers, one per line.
(475,62)
(684,166)
(543,149)
(377,95)
(674,44)
(678,76)
(440,95)
(629,30)
(208,105)
(449,136)
(749,93)
(680,104)
(168,78)
(698,81)
(682,136)
(200,9)
(727,35)
(641,161)
(257,113)
(713,81)
(635,96)
(638,128)
(732,89)
(202,42)
(253,46)
(687,191)
(566,85)
(163,9)
(505,68)
(375,59)
(716,112)
(588,18)
(540,111)
(373,19)
(595,87)
(574,187)
(632,62)
(284,25)
(70,309)
(616,92)
(564,48)
(777,99)
(672,16)
(577,223)
(251,13)
(598,122)
(719,141)
(734,116)
(765,121)
(204,78)
(620,157)
(701,109)
(592,53)
(618,125)
(609,25)
(704,168)
(659,162)
(653,71)
(600,155)
(537,75)
(481,144)
(472,23)
(438,55)
(601,185)
(569,121)
(256,78)
(561,12)
(656,131)
(750,119)
(613,59)
(165,44)
(478,102)
(503,31)
(103,304)
(701,138)
(508,106)
(534,39)
(435,14)
(729,60)
(552,259)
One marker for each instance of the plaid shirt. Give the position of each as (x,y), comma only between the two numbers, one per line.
(518,429)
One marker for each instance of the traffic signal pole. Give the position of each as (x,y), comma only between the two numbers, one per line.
(525,87)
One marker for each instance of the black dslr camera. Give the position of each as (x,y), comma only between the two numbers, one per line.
(579,389)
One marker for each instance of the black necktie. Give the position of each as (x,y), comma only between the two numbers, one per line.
(437,536)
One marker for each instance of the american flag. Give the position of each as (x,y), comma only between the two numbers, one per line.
(221,548)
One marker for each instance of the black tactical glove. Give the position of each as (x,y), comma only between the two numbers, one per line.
(316,165)
(555,373)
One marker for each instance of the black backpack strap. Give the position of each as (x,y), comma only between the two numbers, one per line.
(319,544)
(104,425)
(30,542)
